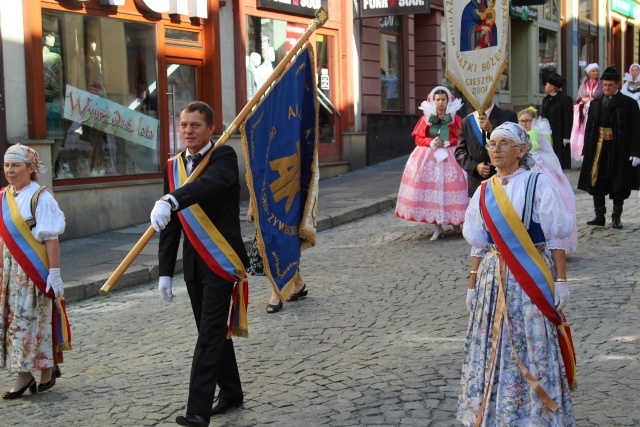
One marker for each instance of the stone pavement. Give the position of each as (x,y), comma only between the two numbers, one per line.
(86,263)
(378,341)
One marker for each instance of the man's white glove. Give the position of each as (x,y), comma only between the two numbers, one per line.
(160,215)
(566,141)
(562,295)
(471,299)
(54,281)
(635,161)
(164,286)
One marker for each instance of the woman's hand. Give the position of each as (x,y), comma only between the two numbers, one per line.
(250,215)
(54,282)
(471,299)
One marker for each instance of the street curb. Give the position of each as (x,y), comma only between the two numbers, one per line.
(141,274)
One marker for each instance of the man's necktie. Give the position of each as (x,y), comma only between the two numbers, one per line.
(195,160)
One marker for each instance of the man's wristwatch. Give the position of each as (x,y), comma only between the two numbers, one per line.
(168,199)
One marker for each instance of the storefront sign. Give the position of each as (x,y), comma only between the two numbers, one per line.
(526,13)
(191,8)
(298,7)
(110,117)
(375,8)
(294,33)
(624,7)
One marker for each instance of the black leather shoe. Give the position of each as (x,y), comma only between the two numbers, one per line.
(225,404)
(46,386)
(616,223)
(191,420)
(33,389)
(598,220)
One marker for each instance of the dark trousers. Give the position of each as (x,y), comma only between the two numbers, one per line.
(214,360)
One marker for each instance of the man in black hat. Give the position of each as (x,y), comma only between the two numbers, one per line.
(557,107)
(611,152)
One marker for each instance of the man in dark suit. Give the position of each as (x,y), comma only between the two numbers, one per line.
(471,153)
(217,192)
(611,150)
(557,107)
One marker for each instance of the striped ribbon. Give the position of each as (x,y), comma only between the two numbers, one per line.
(214,249)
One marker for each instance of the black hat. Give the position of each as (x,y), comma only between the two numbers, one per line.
(555,79)
(611,73)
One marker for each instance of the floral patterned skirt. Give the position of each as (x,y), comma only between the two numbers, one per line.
(431,191)
(256,266)
(26,342)
(511,402)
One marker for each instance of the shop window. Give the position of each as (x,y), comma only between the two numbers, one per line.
(586,53)
(390,63)
(548,56)
(266,46)
(100,95)
(550,11)
(585,9)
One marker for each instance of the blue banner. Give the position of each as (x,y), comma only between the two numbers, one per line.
(279,139)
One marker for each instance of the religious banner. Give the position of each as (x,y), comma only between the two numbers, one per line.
(279,141)
(110,117)
(477,36)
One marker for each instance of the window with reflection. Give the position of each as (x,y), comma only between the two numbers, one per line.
(548,56)
(390,63)
(585,9)
(100,93)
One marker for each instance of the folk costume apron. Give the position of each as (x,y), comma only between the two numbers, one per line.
(32,257)
(214,249)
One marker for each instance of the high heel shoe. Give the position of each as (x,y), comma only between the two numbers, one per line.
(295,296)
(46,386)
(33,389)
(437,233)
(274,307)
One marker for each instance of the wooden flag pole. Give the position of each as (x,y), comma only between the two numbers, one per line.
(318,21)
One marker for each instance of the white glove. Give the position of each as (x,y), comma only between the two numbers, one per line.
(471,299)
(433,142)
(635,161)
(160,215)
(54,281)
(566,141)
(164,286)
(562,295)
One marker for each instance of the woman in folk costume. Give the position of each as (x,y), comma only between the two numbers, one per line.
(519,363)
(547,163)
(590,88)
(631,86)
(33,327)
(434,186)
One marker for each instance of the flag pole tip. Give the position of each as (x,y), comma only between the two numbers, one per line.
(321,16)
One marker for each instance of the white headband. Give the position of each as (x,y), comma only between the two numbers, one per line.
(591,67)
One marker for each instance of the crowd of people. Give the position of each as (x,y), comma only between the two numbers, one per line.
(494,176)
(519,217)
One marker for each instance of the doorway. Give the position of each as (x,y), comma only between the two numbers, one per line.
(184,79)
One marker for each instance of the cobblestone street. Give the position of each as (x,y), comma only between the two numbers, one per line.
(378,341)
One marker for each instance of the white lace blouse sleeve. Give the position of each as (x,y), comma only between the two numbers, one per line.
(473,228)
(551,212)
(49,218)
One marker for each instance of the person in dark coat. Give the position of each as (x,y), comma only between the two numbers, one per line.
(211,202)
(471,153)
(557,108)
(611,150)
